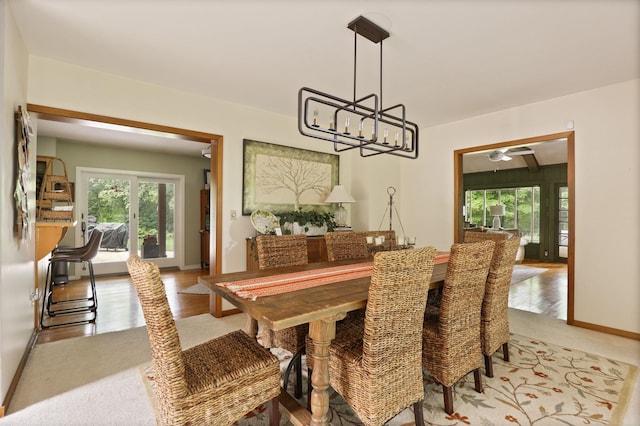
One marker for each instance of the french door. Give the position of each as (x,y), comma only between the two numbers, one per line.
(137,212)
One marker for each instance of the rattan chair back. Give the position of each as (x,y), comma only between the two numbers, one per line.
(281,250)
(451,341)
(495,306)
(378,368)
(276,251)
(166,351)
(345,245)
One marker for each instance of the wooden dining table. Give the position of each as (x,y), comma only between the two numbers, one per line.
(319,306)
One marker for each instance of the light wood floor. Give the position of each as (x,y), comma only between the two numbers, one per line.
(119,309)
(545,294)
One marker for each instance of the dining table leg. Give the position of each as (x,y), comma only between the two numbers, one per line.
(322,332)
(251,328)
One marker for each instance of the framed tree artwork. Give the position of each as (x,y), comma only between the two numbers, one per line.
(281,178)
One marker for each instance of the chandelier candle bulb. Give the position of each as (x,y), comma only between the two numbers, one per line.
(396,140)
(315,118)
(331,123)
(360,127)
(347,121)
(386,135)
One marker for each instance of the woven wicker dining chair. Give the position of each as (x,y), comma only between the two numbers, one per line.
(451,340)
(435,295)
(276,251)
(494,329)
(376,364)
(346,245)
(216,382)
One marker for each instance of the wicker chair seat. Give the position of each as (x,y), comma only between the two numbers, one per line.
(225,391)
(203,367)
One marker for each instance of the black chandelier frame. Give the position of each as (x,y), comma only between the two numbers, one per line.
(366,111)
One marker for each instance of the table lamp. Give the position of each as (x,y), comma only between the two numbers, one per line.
(496,211)
(340,195)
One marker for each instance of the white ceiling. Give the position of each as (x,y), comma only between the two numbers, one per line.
(546,153)
(445,60)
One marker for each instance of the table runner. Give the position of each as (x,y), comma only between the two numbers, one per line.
(284,283)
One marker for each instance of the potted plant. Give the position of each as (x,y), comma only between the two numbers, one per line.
(310,222)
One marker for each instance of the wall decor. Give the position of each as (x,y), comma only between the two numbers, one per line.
(281,178)
(24,133)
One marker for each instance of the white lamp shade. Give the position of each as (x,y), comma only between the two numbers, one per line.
(497,210)
(339,195)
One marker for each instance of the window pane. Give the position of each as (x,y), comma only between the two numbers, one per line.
(475,212)
(535,224)
(492,197)
(525,211)
(522,209)
(508,199)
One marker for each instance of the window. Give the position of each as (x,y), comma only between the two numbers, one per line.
(563,222)
(522,209)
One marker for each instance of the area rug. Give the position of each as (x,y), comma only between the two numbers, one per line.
(523,272)
(542,384)
(195,289)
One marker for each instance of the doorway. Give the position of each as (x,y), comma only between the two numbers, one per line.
(138,213)
(135,129)
(570,213)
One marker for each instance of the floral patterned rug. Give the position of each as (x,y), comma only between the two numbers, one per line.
(542,384)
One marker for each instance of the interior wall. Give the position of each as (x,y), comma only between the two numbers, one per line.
(607,153)
(16,254)
(61,85)
(369,183)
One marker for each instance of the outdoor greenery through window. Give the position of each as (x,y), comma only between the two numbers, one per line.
(108,201)
(522,209)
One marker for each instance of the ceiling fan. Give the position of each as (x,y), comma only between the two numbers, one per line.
(506,154)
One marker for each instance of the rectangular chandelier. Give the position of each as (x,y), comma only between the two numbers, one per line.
(361,123)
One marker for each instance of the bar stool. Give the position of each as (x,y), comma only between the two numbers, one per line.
(79,305)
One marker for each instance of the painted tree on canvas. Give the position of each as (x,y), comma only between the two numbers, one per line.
(292,178)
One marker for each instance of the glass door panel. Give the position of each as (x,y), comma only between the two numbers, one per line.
(156,219)
(108,209)
(563,222)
